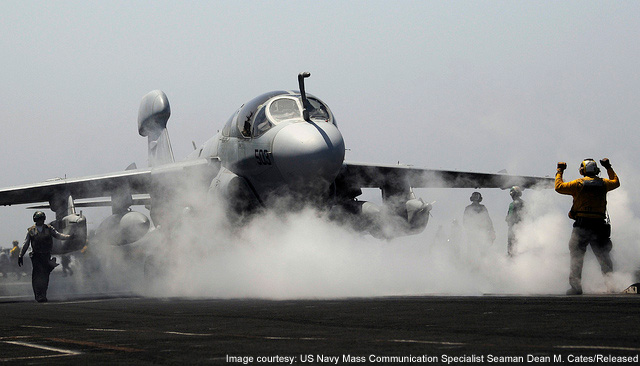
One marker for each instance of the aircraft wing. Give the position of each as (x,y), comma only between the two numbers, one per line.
(134,181)
(137,180)
(365,175)
(136,200)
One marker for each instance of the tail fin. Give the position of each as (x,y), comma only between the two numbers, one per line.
(153,115)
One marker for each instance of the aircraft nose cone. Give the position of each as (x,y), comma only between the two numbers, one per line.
(308,153)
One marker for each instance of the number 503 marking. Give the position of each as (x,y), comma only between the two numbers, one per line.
(263,157)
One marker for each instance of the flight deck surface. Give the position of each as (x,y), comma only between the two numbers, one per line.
(125,329)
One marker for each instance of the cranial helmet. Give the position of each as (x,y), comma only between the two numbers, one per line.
(515,191)
(476,197)
(589,168)
(39,215)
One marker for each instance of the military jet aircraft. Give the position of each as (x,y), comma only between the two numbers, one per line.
(282,146)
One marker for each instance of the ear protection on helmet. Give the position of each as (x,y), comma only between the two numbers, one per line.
(589,168)
(39,215)
(476,196)
(515,191)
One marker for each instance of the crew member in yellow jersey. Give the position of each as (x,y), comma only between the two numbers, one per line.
(589,211)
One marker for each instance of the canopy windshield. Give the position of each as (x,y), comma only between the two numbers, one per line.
(283,109)
(286,108)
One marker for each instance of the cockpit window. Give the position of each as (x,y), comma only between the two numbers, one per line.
(283,109)
(260,114)
(261,124)
(248,113)
(227,126)
(318,110)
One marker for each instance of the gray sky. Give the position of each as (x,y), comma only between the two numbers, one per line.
(473,86)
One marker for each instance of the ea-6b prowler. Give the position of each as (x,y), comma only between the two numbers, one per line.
(282,146)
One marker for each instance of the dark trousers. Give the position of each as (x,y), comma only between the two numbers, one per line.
(40,275)
(587,232)
(511,241)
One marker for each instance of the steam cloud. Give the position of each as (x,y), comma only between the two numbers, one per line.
(303,255)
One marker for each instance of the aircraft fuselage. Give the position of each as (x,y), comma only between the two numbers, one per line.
(269,144)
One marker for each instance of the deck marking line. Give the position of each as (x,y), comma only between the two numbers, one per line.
(189,334)
(46,348)
(105,330)
(95,345)
(424,342)
(273,338)
(32,357)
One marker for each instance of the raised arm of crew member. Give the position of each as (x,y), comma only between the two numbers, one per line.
(613,182)
(563,187)
(574,186)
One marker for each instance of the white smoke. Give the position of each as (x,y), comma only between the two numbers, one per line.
(301,254)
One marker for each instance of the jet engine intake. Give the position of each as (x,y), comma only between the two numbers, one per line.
(236,192)
(123,229)
(417,214)
(384,222)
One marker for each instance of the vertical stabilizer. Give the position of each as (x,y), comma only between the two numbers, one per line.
(153,115)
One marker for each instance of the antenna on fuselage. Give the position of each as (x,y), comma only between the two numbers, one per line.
(305,101)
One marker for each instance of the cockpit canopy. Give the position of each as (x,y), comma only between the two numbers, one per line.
(268,110)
